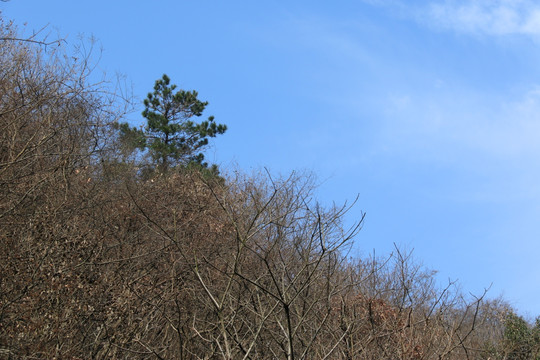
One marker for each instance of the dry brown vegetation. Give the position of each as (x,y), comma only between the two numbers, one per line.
(99,260)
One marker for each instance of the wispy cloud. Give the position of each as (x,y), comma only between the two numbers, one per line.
(478,17)
(500,129)
(491,17)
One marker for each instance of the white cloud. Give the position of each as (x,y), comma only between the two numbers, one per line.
(503,130)
(486,17)
(479,17)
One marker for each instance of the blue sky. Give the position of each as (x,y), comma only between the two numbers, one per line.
(429,110)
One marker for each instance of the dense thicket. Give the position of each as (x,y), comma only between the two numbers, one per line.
(98,261)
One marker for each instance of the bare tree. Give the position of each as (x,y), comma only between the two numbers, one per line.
(53,127)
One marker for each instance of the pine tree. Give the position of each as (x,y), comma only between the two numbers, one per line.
(172,136)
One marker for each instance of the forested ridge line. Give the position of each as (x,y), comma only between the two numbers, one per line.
(120,242)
